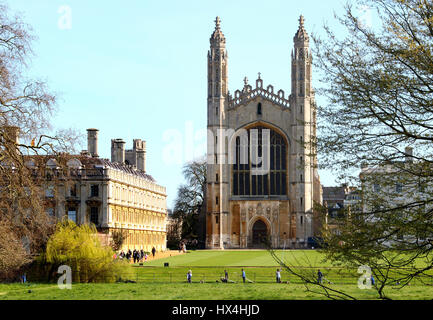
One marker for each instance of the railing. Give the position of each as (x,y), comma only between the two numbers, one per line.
(338,276)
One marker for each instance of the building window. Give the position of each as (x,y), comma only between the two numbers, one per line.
(72,214)
(216,200)
(259,109)
(398,188)
(94,190)
(217,178)
(94,215)
(301,199)
(216,219)
(49,191)
(421,187)
(274,182)
(302,220)
(50,211)
(73,190)
(376,188)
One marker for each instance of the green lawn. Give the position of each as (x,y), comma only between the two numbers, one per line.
(242,258)
(153,281)
(193,291)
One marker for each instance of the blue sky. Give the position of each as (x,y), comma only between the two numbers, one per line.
(137,69)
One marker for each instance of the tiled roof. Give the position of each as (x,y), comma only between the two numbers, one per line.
(91,163)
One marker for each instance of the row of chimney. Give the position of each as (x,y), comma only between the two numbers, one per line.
(135,157)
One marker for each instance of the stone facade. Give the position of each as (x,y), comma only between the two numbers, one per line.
(113,195)
(240,208)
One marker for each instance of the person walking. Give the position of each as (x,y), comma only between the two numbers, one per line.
(243,275)
(189,276)
(319,276)
(226,276)
(278,276)
(128,255)
(153,252)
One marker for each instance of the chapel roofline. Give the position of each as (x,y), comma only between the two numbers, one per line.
(247,94)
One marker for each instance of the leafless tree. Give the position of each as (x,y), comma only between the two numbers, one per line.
(190,198)
(26,108)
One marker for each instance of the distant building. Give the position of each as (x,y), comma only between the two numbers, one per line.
(336,200)
(116,195)
(401,187)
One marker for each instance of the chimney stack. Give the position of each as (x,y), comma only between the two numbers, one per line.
(140,154)
(92,142)
(408,151)
(11,134)
(117,150)
(141,160)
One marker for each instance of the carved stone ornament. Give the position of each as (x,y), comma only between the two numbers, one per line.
(243,214)
(259,209)
(250,212)
(275,214)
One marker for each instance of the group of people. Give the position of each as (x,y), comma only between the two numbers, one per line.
(136,255)
(225,279)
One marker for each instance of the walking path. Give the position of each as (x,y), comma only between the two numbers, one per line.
(163,254)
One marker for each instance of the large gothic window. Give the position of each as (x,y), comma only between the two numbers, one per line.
(274,182)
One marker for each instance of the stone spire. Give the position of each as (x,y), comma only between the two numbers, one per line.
(301,35)
(217,38)
(217,23)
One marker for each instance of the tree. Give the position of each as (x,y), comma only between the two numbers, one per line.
(190,198)
(79,248)
(118,238)
(174,234)
(26,108)
(378,85)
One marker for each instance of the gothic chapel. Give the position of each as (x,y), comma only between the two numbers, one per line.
(244,204)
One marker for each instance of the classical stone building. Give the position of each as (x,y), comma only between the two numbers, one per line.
(262,177)
(113,195)
(339,201)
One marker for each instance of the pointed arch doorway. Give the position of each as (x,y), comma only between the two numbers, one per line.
(260,232)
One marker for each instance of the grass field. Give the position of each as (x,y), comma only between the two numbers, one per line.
(153,281)
(242,258)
